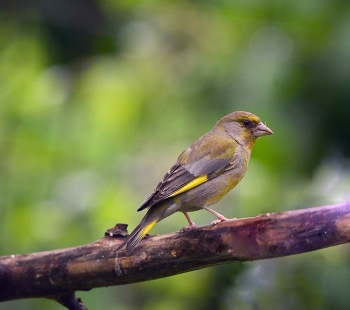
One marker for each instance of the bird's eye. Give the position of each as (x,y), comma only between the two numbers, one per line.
(246,123)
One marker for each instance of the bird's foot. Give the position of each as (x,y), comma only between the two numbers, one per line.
(187,228)
(190,222)
(222,219)
(219,220)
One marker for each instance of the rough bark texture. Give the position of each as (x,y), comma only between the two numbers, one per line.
(58,274)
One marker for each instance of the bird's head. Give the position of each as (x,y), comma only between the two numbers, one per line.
(244,127)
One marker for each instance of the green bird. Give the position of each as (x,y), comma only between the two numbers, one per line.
(203,173)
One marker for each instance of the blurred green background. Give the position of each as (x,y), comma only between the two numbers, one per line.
(98,98)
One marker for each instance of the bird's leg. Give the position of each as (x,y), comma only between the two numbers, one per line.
(220,217)
(190,222)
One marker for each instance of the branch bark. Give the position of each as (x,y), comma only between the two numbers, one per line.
(58,274)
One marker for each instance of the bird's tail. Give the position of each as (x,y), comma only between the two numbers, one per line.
(139,232)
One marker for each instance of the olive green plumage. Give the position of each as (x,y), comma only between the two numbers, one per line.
(203,173)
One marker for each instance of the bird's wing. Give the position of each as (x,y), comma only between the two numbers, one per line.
(196,165)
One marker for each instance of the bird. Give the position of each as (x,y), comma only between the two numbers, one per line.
(203,173)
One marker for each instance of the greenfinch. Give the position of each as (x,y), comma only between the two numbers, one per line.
(203,173)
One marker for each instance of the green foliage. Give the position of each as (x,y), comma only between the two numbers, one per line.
(97,105)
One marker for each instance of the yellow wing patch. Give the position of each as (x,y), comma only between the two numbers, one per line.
(192,184)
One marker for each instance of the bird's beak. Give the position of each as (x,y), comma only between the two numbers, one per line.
(262,130)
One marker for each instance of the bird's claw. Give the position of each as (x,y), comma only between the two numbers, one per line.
(220,220)
(187,228)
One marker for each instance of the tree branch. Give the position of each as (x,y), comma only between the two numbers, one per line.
(58,274)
